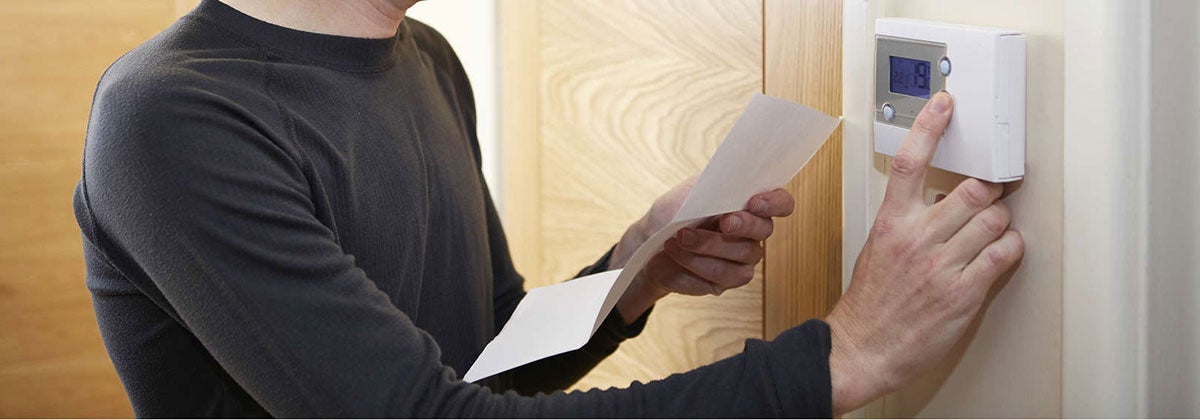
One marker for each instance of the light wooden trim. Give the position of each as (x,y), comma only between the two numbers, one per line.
(803,63)
(520,66)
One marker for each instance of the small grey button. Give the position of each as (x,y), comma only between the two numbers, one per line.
(944,66)
(889,112)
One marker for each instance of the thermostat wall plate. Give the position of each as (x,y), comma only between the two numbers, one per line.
(983,69)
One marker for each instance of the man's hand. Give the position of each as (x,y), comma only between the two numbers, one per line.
(921,277)
(716,256)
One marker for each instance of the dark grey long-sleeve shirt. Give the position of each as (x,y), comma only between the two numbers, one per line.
(282,223)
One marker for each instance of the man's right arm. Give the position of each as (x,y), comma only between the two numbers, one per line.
(921,277)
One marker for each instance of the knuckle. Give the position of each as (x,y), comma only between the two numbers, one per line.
(905,164)
(754,254)
(741,250)
(995,222)
(707,242)
(1019,246)
(928,233)
(746,276)
(713,269)
(1002,211)
(768,229)
(962,295)
(975,193)
(997,256)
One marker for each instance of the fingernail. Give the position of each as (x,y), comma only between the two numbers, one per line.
(941,103)
(732,224)
(758,206)
(687,238)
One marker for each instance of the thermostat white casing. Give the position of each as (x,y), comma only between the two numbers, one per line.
(983,69)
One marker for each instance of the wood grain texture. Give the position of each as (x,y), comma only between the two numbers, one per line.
(803,63)
(52,361)
(635,96)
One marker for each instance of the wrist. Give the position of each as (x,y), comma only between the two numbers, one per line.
(638,298)
(855,375)
(634,237)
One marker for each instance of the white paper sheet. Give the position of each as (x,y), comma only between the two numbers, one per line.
(767,146)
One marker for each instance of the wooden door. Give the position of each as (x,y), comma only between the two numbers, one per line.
(607,104)
(632,97)
(52,53)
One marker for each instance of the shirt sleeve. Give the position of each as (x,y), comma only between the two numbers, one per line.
(563,370)
(214,212)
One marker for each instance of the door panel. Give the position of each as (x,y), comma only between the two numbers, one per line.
(634,97)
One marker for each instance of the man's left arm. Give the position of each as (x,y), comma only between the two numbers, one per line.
(719,254)
(560,371)
(716,256)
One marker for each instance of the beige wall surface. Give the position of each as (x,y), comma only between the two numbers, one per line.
(1009,365)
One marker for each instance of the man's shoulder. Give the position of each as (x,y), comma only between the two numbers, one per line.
(172,97)
(430,41)
(188,58)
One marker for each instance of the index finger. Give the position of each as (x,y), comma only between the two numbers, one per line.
(908,167)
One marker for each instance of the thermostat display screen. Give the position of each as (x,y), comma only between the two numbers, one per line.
(910,77)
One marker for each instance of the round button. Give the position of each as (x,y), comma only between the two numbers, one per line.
(944,66)
(889,112)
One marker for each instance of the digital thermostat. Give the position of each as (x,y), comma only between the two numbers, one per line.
(983,69)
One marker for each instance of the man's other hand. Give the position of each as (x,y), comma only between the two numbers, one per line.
(922,276)
(709,259)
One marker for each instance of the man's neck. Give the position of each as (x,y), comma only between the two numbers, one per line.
(353,18)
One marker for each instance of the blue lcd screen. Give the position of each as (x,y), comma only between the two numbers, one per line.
(910,77)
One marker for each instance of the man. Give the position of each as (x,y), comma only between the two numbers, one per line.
(283,215)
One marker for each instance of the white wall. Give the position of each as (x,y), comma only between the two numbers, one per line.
(470,26)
